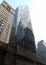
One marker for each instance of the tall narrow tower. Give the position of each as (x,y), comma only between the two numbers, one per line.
(6,19)
(24,32)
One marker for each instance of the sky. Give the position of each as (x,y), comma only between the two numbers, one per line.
(38,15)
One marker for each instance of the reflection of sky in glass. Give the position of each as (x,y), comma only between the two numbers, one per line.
(15,17)
(24,17)
(21,21)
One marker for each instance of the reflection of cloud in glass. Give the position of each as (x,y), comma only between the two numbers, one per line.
(23,16)
(38,18)
(23,21)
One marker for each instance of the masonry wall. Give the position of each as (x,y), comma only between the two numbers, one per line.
(16,55)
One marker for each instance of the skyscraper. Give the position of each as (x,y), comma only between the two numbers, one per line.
(24,32)
(41,49)
(6,19)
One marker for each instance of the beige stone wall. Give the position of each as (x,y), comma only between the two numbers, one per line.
(6,19)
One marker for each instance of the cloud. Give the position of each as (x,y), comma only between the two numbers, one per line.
(38,18)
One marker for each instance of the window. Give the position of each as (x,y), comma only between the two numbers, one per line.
(3,18)
(8,7)
(2,24)
(0,30)
(1,11)
(1,27)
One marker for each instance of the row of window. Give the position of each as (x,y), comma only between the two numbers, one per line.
(6,32)
(3,19)
(3,13)
(2,23)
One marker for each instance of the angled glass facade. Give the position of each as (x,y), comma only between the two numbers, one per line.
(24,32)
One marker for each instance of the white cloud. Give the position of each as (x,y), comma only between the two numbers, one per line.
(38,18)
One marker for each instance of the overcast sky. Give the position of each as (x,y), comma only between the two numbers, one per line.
(38,15)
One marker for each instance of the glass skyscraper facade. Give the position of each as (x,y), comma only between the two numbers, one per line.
(24,33)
